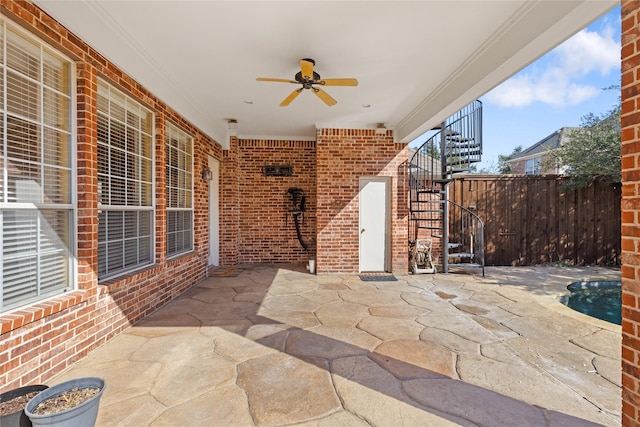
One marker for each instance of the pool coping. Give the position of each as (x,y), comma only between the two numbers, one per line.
(553,302)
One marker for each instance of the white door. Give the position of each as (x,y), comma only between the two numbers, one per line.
(214,212)
(374,220)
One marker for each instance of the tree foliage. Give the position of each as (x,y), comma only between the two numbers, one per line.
(592,151)
(504,167)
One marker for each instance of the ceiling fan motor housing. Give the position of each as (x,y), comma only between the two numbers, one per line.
(307,83)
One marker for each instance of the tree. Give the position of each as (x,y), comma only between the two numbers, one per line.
(504,167)
(592,151)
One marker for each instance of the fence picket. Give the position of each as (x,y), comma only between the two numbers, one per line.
(528,220)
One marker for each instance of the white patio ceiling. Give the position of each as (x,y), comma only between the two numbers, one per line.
(417,62)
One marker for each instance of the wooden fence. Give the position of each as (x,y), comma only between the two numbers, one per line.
(529,221)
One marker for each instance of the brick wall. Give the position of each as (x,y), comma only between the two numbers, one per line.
(630,125)
(38,341)
(267,231)
(343,156)
(230,204)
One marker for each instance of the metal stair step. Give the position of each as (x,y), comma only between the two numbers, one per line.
(458,255)
(465,154)
(462,160)
(424,227)
(454,245)
(418,206)
(464,145)
(448,131)
(455,138)
(466,264)
(435,201)
(431,204)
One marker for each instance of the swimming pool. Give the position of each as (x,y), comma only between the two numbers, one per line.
(601,299)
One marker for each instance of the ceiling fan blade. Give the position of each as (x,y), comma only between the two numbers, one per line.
(307,69)
(291,97)
(324,96)
(269,79)
(338,82)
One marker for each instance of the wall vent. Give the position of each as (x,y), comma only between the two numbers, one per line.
(278,170)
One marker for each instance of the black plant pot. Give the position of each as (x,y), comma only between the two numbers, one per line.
(18,418)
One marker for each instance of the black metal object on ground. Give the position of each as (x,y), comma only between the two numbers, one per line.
(378,278)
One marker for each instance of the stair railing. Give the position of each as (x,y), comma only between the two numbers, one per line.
(467,230)
(461,144)
(453,149)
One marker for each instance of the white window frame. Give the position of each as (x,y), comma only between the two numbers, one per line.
(179,191)
(126,241)
(36,184)
(533,166)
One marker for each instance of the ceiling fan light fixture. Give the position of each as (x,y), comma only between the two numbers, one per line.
(307,78)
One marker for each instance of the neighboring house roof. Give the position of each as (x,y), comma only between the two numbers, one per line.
(546,144)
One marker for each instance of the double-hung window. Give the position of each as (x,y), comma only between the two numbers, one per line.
(179,174)
(533,166)
(37,205)
(125,183)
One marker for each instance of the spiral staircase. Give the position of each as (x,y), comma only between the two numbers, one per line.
(454,232)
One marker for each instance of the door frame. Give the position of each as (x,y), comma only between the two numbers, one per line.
(214,212)
(387,221)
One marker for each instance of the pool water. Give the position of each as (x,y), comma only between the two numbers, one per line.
(599,299)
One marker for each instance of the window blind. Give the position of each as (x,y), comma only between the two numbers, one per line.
(36,205)
(179,177)
(125,183)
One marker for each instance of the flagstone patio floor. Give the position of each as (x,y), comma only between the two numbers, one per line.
(272,345)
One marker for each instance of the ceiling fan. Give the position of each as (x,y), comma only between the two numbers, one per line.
(309,79)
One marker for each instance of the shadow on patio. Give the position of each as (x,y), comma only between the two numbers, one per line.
(273,345)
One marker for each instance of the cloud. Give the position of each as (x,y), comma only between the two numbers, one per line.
(590,51)
(562,77)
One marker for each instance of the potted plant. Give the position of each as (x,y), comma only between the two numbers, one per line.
(72,403)
(12,405)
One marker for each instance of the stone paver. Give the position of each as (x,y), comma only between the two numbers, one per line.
(277,346)
(282,389)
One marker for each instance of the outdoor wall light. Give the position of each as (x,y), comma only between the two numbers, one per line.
(206,173)
(381,129)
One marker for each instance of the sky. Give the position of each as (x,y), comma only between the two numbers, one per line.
(555,91)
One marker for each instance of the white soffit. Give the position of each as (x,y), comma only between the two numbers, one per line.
(417,62)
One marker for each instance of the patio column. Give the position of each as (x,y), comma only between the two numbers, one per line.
(230,204)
